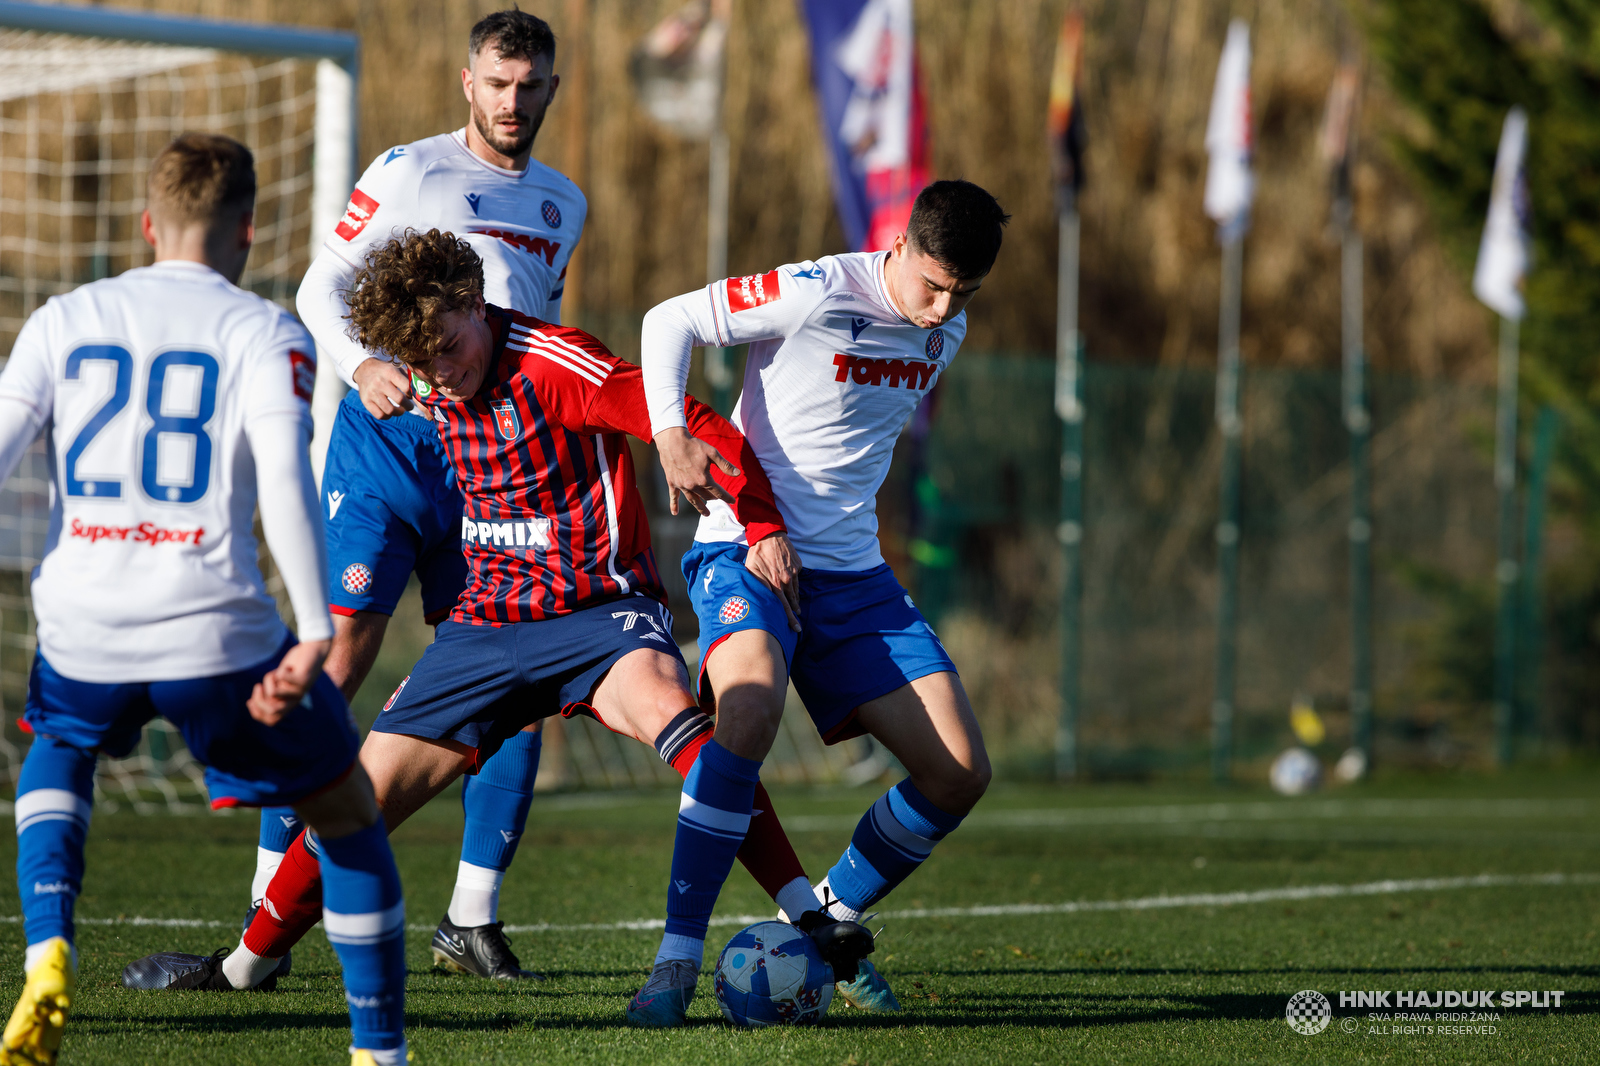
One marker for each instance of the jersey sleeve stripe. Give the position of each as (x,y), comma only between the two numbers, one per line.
(573,351)
(554,357)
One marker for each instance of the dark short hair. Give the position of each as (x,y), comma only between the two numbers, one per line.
(959,226)
(404,288)
(198,177)
(515,35)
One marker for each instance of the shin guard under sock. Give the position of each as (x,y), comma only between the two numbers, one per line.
(365,918)
(892,839)
(55,795)
(766,851)
(292,903)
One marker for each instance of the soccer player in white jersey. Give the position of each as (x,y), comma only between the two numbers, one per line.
(174,401)
(391,498)
(841,352)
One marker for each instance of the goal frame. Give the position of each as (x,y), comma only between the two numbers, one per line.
(334,149)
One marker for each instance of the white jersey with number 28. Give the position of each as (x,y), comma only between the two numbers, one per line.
(834,373)
(151,384)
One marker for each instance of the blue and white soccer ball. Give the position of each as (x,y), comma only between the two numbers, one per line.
(1295,772)
(771,974)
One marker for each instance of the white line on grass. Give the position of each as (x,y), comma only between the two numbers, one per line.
(1265,811)
(1143,903)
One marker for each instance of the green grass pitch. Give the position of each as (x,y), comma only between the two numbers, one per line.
(1205,981)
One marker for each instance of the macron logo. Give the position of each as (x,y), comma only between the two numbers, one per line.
(509,836)
(709,572)
(857,327)
(472,201)
(334,500)
(682,886)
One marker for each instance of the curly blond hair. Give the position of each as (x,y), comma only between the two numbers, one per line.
(405,287)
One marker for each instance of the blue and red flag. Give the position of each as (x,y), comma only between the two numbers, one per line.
(869,86)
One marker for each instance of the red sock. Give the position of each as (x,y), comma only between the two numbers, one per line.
(292,906)
(766,851)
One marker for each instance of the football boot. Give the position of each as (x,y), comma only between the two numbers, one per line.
(842,945)
(179,971)
(664,1000)
(481,949)
(869,991)
(360,1056)
(283,963)
(33,1035)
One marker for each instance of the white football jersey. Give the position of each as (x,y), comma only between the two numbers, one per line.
(148,381)
(523,224)
(834,373)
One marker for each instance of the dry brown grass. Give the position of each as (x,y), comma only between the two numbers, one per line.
(1151,272)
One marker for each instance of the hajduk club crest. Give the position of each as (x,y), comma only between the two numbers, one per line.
(935,345)
(734,609)
(506,421)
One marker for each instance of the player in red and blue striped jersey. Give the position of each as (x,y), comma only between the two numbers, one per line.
(564,611)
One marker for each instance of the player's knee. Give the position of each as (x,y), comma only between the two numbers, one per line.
(962,784)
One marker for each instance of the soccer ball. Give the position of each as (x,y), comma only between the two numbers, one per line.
(771,974)
(1296,772)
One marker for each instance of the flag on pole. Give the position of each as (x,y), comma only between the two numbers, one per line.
(1336,142)
(1229,184)
(1505,253)
(1065,114)
(677,69)
(864,65)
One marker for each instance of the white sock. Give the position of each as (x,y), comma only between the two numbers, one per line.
(795,898)
(674,946)
(476,899)
(245,969)
(389,1057)
(836,907)
(35,952)
(267,863)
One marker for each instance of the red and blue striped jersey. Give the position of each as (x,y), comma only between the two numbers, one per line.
(553,520)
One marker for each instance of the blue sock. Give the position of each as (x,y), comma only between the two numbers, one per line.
(713,817)
(54,797)
(496,801)
(279,827)
(365,918)
(892,839)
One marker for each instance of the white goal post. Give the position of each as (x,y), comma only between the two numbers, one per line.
(88,96)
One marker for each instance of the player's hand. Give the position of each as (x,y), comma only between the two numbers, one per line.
(775,562)
(686,460)
(385,388)
(282,689)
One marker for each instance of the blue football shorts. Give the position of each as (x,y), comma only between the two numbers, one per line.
(248,764)
(861,636)
(393,508)
(478,685)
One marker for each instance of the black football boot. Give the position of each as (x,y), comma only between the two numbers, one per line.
(177,971)
(842,945)
(482,950)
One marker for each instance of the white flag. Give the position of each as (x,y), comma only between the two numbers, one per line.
(1504,255)
(1229,184)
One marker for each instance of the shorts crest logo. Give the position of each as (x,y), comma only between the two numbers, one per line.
(356,579)
(1308,1012)
(551,214)
(733,609)
(506,421)
(935,347)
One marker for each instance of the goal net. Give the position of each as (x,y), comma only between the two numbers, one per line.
(81,118)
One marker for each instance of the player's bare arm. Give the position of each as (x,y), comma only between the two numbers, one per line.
(385,388)
(283,687)
(686,461)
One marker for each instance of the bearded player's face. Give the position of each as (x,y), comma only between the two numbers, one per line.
(508,96)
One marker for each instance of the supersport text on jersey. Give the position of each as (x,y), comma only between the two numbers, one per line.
(154,383)
(833,375)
